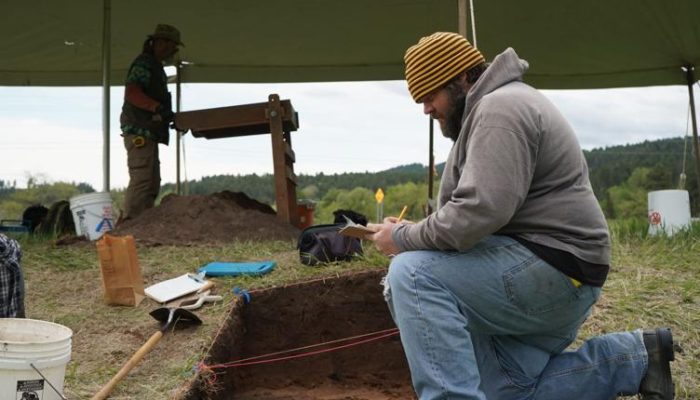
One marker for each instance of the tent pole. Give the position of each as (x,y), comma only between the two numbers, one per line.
(462,17)
(690,77)
(178,134)
(106,67)
(431,167)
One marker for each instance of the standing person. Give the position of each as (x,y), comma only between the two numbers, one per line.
(146,116)
(11,279)
(490,289)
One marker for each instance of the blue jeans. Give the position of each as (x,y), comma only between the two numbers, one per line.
(494,322)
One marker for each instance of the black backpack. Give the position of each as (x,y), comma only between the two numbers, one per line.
(322,243)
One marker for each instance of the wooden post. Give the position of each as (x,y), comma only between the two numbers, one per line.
(283,160)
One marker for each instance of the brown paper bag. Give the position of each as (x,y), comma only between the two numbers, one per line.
(122,283)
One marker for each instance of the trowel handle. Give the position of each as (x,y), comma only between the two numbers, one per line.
(208,285)
(145,349)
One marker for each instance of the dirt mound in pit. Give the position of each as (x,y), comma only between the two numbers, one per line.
(219,218)
(301,315)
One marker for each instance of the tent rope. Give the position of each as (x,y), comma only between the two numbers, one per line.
(471,11)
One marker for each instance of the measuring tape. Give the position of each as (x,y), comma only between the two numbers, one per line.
(138,141)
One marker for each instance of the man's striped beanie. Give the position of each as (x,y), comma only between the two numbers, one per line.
(435,60)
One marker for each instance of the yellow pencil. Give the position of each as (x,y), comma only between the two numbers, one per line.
(403,213)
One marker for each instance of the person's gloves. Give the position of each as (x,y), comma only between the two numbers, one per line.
(164,114)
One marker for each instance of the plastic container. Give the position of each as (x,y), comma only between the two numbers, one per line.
(27,342)
(669,211)
(13,225)
(92,214)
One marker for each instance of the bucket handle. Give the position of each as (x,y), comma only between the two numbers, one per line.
(48,381)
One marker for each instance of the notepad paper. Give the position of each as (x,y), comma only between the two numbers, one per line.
(165,291)
(353,229)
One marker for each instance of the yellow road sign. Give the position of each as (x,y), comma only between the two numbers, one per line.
(379,195)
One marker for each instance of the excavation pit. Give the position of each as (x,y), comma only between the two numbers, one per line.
(303,316)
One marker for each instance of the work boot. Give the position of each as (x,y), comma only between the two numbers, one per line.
(657,383)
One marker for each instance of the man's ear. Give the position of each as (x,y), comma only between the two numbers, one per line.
(462,80)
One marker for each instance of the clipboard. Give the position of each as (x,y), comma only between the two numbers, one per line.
(165,291)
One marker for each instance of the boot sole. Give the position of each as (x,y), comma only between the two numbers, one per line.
(664,338)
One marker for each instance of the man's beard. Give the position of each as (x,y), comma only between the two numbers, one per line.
(453,117)
(170,59)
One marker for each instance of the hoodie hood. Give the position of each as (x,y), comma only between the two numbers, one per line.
(506,67)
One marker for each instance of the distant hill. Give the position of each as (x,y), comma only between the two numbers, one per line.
(609,166)
(261,187)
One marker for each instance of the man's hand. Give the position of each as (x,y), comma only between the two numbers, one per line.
(174,127)
(382,238)
(164,114)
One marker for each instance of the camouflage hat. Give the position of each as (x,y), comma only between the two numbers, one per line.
(169,32)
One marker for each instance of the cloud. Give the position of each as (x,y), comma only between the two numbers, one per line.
(620,116)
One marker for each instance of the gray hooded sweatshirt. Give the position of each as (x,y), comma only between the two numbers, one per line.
(516,169)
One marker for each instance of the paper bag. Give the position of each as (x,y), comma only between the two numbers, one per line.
(122,283)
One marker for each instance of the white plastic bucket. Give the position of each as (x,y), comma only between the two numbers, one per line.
(27,342)
(669,211)
(92,214)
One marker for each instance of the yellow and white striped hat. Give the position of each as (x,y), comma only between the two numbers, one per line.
(435,60)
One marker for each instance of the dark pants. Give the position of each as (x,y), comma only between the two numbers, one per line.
(144,177)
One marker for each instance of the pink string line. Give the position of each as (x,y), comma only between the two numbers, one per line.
(249,361)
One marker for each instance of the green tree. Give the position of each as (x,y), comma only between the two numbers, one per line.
(44,194)
(358,199)
(310,192)
(629,200)
(410,194)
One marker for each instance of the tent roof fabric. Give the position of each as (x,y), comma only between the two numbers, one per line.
(568,43)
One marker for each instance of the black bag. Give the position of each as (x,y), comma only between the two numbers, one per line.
(322,243)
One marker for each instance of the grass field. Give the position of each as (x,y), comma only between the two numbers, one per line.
(653,282)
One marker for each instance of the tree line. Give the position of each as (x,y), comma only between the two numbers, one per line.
(620,175)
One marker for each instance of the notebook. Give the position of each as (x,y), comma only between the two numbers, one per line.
(355,230)
(165,291)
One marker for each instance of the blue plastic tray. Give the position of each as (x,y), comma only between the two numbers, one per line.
(237,268)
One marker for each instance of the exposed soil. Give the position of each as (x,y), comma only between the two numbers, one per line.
(220,218)
(302,315)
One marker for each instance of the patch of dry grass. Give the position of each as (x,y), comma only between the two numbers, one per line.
(63,285)
(653,283)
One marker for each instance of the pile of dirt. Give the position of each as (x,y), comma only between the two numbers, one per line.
(197,219)
(301,316)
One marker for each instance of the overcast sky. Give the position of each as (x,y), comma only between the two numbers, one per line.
(55,134)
